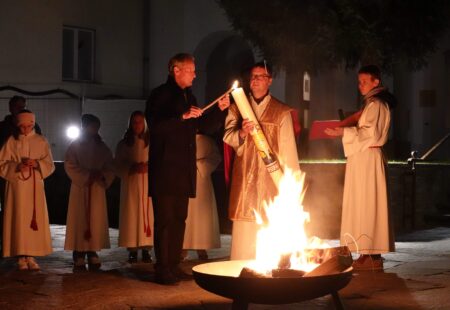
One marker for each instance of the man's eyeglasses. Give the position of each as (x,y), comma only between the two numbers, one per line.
(188,70)
(259,77)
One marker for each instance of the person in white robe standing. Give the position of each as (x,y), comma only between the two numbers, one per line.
(89,164)
(25,161)
(202,223)
(136,210)
(366,225)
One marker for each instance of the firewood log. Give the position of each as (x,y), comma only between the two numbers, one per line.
(287,273)
(330,252)
(250,273)
(323,254)
(335,264)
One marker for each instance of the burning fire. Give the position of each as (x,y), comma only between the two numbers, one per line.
(282,241)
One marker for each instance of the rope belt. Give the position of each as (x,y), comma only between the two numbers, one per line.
(31,173)
(87,233)
(145,208)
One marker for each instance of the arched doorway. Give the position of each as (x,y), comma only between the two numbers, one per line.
(220,59)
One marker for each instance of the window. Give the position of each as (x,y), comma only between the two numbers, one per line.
(78,54)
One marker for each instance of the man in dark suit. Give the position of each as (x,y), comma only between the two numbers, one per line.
(174,119)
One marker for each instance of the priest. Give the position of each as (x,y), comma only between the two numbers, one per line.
(251,183)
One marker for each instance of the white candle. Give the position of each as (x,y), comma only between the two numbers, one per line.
(243,105)
(258,136)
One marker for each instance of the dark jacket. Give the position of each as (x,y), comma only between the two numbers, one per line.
(172,158)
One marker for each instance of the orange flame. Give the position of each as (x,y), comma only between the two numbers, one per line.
(284,232)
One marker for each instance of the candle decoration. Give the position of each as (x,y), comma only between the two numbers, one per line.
(262,145)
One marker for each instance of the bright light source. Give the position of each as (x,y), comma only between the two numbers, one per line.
(72,132)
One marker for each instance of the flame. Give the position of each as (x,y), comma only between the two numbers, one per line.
(283,234)
(235,85)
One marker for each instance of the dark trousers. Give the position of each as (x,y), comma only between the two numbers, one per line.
(170,214)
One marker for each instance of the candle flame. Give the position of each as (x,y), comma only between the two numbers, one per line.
(235,85)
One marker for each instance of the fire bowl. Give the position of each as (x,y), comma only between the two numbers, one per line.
(222,278)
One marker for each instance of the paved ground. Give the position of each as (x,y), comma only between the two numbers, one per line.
(417,276)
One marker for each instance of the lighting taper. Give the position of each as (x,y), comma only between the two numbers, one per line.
(235,85)
(263,147)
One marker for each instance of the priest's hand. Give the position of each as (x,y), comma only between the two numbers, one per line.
(334,132)
(224,102)
(193,112)
(247,127)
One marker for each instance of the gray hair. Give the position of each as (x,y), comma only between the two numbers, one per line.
(178,59)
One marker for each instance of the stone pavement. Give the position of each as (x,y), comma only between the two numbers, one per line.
(417,276)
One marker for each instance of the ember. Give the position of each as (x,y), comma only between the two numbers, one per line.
(332,264)
(276,273)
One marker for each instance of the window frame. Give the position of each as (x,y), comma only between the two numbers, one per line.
(75,76)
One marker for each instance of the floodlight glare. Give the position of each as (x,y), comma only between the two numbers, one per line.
(72,132)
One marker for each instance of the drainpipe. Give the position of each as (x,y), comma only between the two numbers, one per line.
(145,48)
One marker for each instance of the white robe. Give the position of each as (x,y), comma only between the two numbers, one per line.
(365,213)
(82,157)
(22,195)
(136,210)
(243,241)
(202,223)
